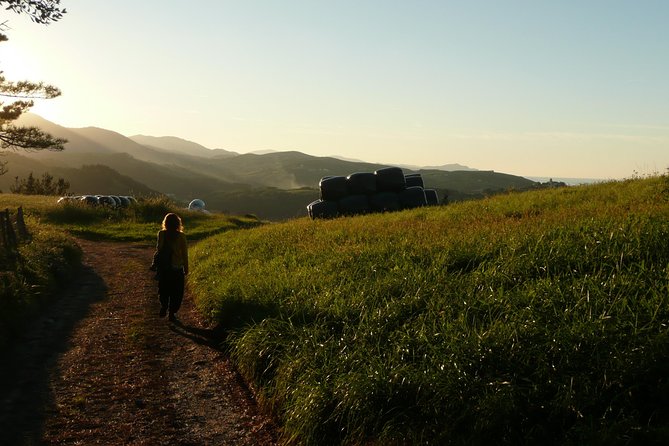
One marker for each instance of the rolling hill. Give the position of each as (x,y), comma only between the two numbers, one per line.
(182,146)
(273,185)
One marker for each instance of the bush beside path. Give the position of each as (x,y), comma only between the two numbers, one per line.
(102,368)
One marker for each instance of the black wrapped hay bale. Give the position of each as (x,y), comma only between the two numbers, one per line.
(412,197)
(354,205)
(385,190)
(385,202)
(322,209)
(390,179)
(432,197)
(414,180)
(361,183)
(333,188)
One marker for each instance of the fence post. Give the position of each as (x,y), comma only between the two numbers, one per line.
(21,224)
(11,235)
(3,230)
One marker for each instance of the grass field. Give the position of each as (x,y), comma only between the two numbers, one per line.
(528,318)
(139,223)
(32,275)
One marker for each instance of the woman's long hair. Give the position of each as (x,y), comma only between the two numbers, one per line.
(172,224)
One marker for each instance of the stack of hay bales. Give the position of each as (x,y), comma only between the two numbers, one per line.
(385,190)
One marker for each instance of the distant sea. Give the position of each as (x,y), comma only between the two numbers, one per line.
(568,181)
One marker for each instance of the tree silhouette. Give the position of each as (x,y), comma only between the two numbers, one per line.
(20,94)
(44,186)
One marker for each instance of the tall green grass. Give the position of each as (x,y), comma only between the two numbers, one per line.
(525,318)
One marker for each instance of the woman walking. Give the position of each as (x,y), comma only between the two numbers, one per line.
(171,272)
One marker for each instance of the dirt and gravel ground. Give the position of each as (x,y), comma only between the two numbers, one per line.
(102,368)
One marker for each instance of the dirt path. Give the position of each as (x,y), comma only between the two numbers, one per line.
(103,368)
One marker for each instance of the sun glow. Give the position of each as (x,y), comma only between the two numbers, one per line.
(49,109)
(15,65)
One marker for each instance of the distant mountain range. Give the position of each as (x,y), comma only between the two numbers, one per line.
(272,185)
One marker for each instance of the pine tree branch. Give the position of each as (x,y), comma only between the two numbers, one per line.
(13,111)
(40,11)
(25,89)
(29,139)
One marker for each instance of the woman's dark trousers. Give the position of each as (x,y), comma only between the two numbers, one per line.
(171,290)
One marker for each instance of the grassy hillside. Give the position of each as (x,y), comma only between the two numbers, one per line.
(91,179)
(268,203)
(533,318)
(173,180)
(100,179)
(289,170)
(466,185)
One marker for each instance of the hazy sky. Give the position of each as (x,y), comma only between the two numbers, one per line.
(555,88)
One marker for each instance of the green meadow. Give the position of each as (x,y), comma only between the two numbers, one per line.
(536,317)
(138,223)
